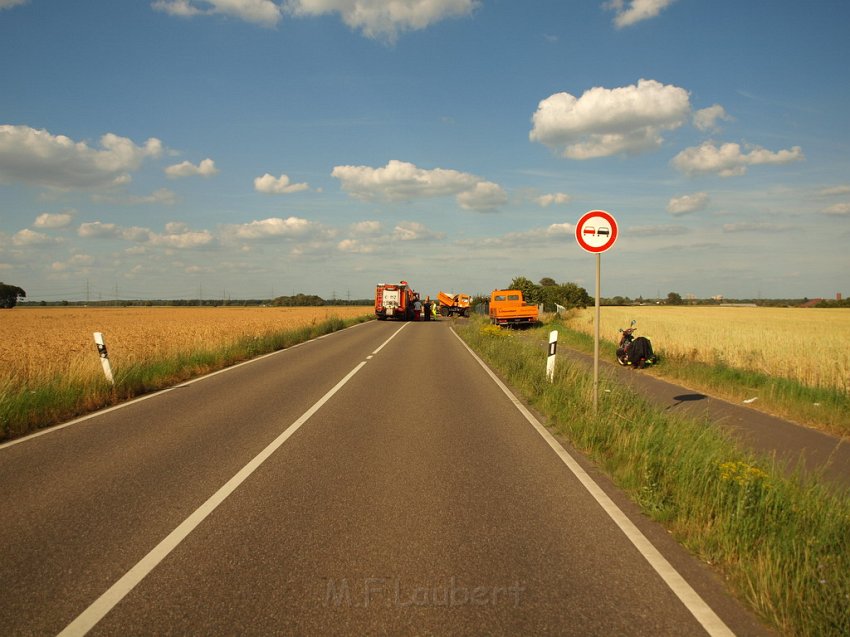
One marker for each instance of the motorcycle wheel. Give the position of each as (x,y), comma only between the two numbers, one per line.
(622,358)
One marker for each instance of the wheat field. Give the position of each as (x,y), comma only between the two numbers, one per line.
(42,343)
(809,345)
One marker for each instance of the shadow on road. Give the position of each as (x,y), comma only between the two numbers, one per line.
(686,398)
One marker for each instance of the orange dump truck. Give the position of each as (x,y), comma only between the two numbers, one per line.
(452,304)
(507,307)
(394,300)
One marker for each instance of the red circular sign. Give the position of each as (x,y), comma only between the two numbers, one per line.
(596,231)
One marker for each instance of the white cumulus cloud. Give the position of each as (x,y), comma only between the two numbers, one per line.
(557,198)
(366,228)
(355,246)
(484,196)
(99,230)
(177,234)
(706,119)
(262,12)
(53,220)
(187,169)
(403,181)
(729,159)
(382,19)
(182,238)
(28,237)
(604,122)
(414,231)
(273,227)
(37,157)
(634,11)
(687,203)
(277,185)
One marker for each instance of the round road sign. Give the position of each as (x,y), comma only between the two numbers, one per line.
(596,231)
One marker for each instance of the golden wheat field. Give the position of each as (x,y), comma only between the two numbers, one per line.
(805,344)
(38,343)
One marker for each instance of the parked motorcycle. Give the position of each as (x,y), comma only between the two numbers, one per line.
(635,351)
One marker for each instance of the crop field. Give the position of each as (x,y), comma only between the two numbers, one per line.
(37,344)
(811,346)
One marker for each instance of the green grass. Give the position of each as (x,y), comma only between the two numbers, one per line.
(782,543)
(824,408)
(26,409)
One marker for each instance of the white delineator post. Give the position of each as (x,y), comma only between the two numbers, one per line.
(104,357)
(550,360)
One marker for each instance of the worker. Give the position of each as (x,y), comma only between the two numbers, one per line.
(417,308)
(426,308)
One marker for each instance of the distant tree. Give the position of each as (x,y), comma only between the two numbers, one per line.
(9,295)
(530,292)
(571,295)
(551,293)
(674,298)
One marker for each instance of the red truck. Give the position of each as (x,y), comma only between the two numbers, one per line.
(394,300)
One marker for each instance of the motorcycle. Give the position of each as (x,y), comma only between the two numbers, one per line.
(635,351)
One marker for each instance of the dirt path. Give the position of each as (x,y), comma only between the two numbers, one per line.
(792,444)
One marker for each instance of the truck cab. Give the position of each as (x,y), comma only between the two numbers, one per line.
(507,307)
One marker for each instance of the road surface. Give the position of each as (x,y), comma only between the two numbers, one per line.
(375,481)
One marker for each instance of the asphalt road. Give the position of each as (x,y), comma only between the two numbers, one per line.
(376,481)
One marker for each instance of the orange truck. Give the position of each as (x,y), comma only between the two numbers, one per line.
(394,300)
(507,307)
(453,304)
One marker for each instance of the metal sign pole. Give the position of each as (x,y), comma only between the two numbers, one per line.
(596,340)
(596,231)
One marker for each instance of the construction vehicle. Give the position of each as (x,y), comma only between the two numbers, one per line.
(394,300)
(454,304)
(507,307)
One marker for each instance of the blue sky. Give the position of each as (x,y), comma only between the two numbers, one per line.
(257,148)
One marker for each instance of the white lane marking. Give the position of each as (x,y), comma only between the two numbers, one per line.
(87,620)
(703,613)
(106,410)
(390,338)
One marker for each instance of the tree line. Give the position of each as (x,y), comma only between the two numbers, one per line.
(548,293)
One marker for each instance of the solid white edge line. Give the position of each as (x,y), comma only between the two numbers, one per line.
(89,618)
(703,613)
(159,392)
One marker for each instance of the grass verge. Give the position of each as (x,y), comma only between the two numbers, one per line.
(25,409)
(783,544)
(824,408)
